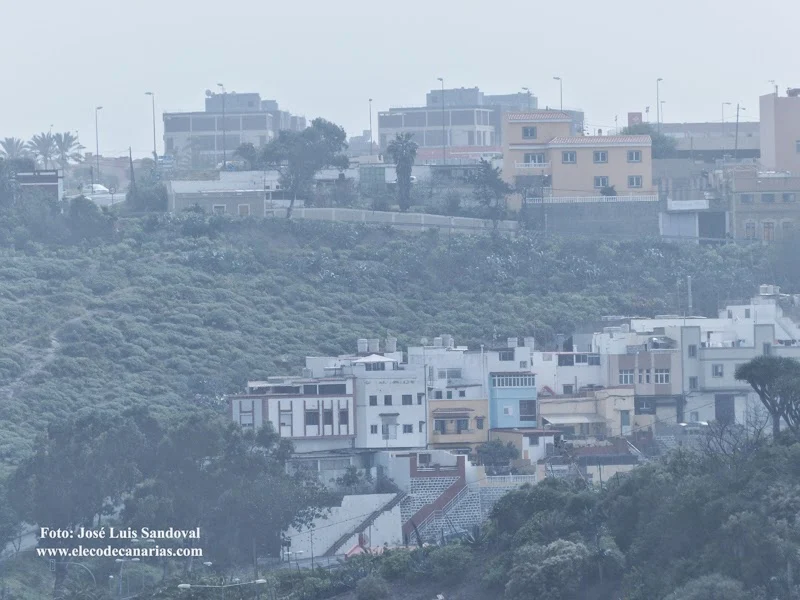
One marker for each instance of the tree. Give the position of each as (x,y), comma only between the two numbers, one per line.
(495,454)
(552,572)
(43,146)
(403,151)
(663,145)
(608,190)
(67,149)
(764,374)
(12,147)
(490,190)
(248,153)
(710,587)
(148,194)
(299,155)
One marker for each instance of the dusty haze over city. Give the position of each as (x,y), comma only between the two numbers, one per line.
(326,59)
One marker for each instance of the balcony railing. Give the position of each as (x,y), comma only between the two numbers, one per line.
(531,165)
(590,199)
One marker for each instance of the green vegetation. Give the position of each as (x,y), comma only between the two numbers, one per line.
(403,151)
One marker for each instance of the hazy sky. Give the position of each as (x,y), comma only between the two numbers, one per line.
(61,59)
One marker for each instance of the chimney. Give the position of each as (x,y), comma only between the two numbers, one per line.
(374,346)
(391,344)
(363,345)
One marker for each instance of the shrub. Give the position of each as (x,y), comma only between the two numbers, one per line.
(372,588)
(396,565)
(448,563)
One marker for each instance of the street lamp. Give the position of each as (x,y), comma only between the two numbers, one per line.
(97,141)
(662,109)
(724,104)
(658,103)
(155,151)
(370,126)
(444,134)
(224,154)
(560,92)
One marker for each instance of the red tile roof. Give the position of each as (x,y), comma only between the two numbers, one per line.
(539,115)
(591,140)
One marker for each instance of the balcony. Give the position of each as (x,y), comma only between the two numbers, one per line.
(532,166)
(591,199)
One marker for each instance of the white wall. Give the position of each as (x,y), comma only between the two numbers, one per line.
(396,384)
(341,519)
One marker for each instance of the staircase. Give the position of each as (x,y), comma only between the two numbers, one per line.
(365,524)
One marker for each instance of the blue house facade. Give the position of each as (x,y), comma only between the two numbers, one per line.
(513,401)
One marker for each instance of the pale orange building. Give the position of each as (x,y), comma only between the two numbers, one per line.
(542,157)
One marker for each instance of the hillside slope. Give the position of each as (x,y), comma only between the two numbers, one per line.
(179,311)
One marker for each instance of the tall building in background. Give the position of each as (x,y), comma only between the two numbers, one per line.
(780,131)
(196,139)
(472,129)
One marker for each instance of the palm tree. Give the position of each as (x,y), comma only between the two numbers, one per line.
(43,146)
(12,147)
(67,149)
(403,151)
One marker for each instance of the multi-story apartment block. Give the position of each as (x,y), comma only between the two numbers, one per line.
(780,132)
(201,139)
(390,403)
(763,205)
(541,154)
(316,414)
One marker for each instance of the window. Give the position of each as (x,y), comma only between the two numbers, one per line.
(693,382)
(692,350)
(662,376)
(717,370)
(600,182)
(529,133)
(536,158)
(424,459)
(312,417)
(523,364)
(462,425)
(527,410)
(462,393)
(437,395)
(786,227)
(439,425)
(625,418)
(449,373)
(244,210)
(566,360)
(641,375)
(327,416)
(568,389)
(508,411)
(421,426)
(746,313)
(449,394)
(750,230)
(408,400)
(647,375)
(387,400)
(570,157)
(333,388)
(378,366)
(373,401)
(513,381)
(344,417)
(634,181)
(581,359)
(746,198)
(600,156)
(286,418)
(505,355)
(694,416)
(767,348)
(769,231)
(788,197)
(626,376)
(594,360)
(310,390)
(769,198)
(385,430)
(634,156)
(373,429)
(479,422)
(420,396)
(218,209)
(408,429)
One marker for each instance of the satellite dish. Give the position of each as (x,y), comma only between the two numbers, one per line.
(208,94)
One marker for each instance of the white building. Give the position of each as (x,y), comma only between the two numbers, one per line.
(390,400)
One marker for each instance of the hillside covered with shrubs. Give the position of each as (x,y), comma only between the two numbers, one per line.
(176,311)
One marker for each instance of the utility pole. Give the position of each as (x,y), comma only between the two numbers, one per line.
(724,104)
(736,138)
(224,154)
(444,133)
(155,151)
(370,126)
(658,103)
(97,141)
(689,292)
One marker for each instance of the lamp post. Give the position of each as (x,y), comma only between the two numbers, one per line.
(560,92)
(155,151)
(658,103)
(724,104)
(444,134)
(370,127)
(661,103)
(97,141)
(224,153)
(736,135)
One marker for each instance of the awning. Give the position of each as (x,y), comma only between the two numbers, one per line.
(573,419)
